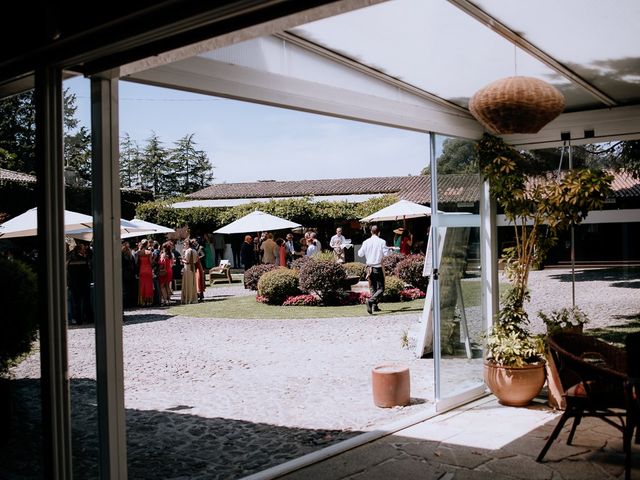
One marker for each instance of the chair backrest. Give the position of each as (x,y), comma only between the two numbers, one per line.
(584,359)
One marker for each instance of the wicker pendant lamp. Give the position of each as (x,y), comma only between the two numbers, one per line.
(516,105)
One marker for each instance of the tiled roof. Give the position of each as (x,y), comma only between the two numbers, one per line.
(453,188)
(624,185)
(11,176)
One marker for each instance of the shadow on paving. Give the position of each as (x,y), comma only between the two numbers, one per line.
(160,444)
(621,277)
(617,333)
(139,317)
(596,454)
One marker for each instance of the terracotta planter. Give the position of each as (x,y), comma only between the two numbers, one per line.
(573,329)
(391,385)
(514,386)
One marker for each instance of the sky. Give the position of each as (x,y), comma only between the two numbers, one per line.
(247,142)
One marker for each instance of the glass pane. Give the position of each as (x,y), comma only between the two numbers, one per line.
(458,175)
(461,322)
(403,39)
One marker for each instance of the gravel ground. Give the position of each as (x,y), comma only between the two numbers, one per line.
(221,398)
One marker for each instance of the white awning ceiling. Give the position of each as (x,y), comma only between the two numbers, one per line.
(414,64)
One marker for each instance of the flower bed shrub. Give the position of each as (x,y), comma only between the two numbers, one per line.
(323,278)
(306,300)
(355,269)
(252,276)
(277,285)
(389,263)
(19,319)
(298,263)
(410,270)
(392,288)
(409,294)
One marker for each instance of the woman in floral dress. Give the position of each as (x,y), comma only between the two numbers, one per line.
(189,293)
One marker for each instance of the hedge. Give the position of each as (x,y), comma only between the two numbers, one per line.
(277,285)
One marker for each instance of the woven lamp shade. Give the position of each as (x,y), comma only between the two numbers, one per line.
(516,105)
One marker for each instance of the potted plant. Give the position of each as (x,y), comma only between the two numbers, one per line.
(565,320)
(533,202)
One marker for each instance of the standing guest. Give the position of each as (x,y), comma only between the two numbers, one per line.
(397,239)
(337,243)
(165,273)
(209,255)
(145,275)
(373,249)
(405,242)
(268,249)
(200,280)
(129,281)
(290,248)
(246,253)
(189,293)
(312,247)
(155,266)
(256,251)
(317,242)
(176,274)
(79,280)
(281,253)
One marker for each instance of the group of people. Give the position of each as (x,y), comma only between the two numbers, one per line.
(282,251)
(149,270)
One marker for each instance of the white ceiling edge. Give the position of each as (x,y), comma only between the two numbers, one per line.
(406,111)
(620,123)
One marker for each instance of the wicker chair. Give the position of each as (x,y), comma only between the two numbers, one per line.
(593,375)
(633,398)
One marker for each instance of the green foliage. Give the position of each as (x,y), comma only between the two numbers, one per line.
(355,269)
(531,198)
(392,288)
(19,319)
(509,349)
(300,262)
(277,285)
(458,156)
(390,262)
(325,256)
(252,276)
(299,210)
(410,271)
(563,319)
(190,167)
(325,278)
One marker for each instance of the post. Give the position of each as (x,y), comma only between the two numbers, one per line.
(108,277)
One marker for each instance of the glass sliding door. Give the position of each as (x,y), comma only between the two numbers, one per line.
(459,323)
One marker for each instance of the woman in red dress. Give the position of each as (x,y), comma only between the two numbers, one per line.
(405,242)
(145,275)
(165,272)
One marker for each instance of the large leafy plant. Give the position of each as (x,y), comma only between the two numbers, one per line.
(533,202)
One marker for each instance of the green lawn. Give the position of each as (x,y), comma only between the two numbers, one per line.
(247,307)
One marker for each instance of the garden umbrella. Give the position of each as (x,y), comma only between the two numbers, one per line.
(128,229)
(26,224)
(400,210)
(257,221)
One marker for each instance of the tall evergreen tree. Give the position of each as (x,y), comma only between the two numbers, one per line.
(77,154)
(130,163)
(154,165)
(192,167)
(18,133)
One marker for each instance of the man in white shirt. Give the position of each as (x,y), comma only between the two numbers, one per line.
(373,249)
(337,244)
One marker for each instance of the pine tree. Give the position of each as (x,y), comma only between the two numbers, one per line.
(154,165)
(130,163)
(192,167)
(77,154)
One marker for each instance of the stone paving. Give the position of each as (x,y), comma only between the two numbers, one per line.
(483,441)
(221,398)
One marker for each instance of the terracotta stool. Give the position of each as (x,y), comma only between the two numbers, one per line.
(391,385)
